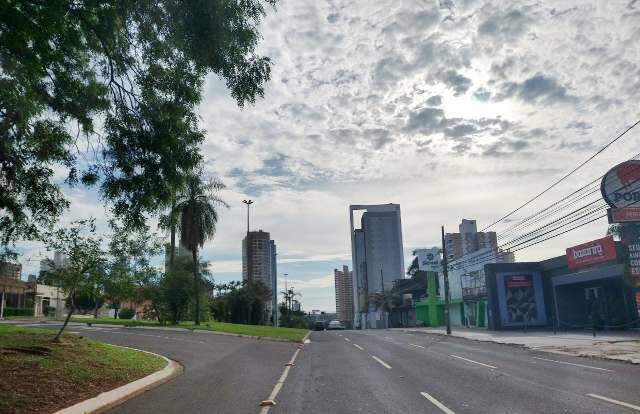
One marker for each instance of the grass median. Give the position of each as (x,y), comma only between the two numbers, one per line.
(263,331)
(41,376)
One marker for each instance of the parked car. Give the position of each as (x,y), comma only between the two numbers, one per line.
(318,326)
(335,325)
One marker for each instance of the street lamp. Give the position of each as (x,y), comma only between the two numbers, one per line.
(248,203)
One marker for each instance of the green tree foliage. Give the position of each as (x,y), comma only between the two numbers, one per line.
(84,257)
(241,302)
(107,91)
(198,220)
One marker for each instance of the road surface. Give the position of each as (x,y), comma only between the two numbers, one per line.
(395,372)
(374,371)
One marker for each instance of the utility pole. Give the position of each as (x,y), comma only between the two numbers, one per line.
(445,273)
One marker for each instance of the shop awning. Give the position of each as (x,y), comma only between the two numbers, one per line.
(603,272)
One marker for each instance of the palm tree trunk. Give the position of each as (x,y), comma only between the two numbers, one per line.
(196,285)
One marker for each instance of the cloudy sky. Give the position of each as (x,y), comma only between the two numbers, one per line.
(451,108)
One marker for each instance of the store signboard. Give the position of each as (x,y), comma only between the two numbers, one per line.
(630,237)
(593,252)
(620,186)
(624,215)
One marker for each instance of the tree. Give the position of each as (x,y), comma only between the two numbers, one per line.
(131,275)
(84,256)
(123,80)
(198,220)
(385,300)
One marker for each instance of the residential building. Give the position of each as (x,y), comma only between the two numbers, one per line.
(258,264)
(377,257)
(49,301)
(11,270)
(468,240)
(344,295)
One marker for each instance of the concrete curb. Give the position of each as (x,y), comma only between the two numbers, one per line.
(260,338)
(109,399)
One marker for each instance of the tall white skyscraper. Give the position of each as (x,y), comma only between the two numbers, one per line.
(378,258)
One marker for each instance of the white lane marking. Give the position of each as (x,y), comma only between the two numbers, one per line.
(417,346)
(437,403)
(359,347)
(571,363)
(473,362)
(280,383)
(347,339)
(307,341)
(612,401)
(384,364)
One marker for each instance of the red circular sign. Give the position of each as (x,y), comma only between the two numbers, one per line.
(620,186)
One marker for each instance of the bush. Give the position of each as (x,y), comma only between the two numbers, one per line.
(18,311)
(126,313)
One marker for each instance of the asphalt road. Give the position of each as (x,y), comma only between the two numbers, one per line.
(395,372)
(222,374)
(381,371)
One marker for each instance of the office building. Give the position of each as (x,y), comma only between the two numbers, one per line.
(344,295)
(259,264)
(377,257)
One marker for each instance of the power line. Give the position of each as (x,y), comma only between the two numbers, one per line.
(582,164)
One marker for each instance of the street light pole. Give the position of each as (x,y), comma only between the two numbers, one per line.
(445,273)
(248,203)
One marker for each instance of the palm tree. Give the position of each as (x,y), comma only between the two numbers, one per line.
(385,300)
(196,207)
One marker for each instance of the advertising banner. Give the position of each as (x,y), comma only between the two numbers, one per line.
(520,299)
(593,252)
(630,237)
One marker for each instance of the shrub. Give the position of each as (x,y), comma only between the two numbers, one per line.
(126,313)
(18,311)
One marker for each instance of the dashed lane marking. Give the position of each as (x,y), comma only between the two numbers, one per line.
(417,346)
(437,403)
(359,347)
(571,363)
(347,339)
(472,361)
(612,401)
(381,362)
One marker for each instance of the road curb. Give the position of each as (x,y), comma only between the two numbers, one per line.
(260,338)
(109,399)
(617,358)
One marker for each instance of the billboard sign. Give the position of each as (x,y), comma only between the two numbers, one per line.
(521,299)
(428,259)
(620,186)
(630,237)
(593,252)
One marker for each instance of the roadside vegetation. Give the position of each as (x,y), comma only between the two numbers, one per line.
(263,331)
(40,376)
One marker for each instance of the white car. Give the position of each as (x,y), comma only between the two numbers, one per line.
(335,325)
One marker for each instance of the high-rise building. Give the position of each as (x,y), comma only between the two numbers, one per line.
(258,263)
(344,295)
(468,240)
(11,270)
(274,282)
(378,258)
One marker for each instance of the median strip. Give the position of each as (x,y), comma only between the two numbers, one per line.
(437,403)
(571,363)
(612,401)
(384,364)
(271,401)
(472,361)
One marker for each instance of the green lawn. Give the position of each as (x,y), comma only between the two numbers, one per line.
(41,376)
(291,334)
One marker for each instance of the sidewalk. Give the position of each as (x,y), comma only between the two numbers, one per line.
(618,345)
